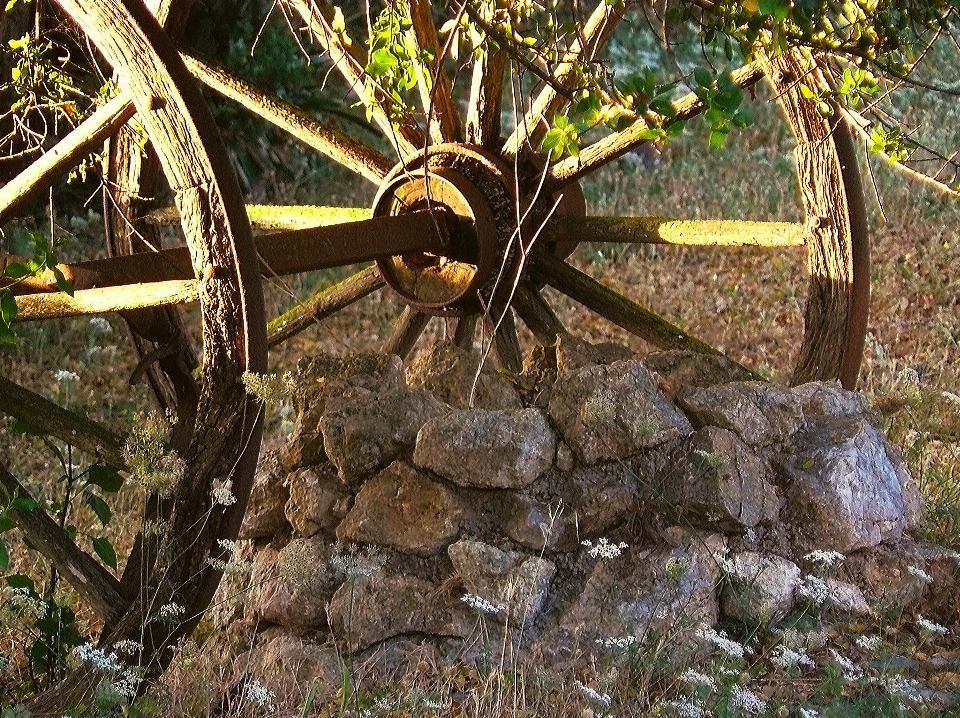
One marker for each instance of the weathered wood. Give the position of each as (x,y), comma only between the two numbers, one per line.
(275,218)
(838,250)
(53,420)
(537,315)
(66,154)
(94,583)
(507,343)
(683,232)
(465,332)
(590,40)
(406,331)
(126,297)
(613,306)
(486,99)
(324,138)
(620,143)
(436,95)
(351,60)
(322,304)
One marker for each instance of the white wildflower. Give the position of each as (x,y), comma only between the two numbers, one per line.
(153,464)
(600,699)
(919,574)
(746,700)
(951,397)
(354,563)
(750,535)
(620,643)
(725,644)
(604,549)
(695,678)
(127,646)
(63,376)
(98,658)
(788,658)
(256,693)
(850,671)
(724,562)
(127,684)
(932,627)
(909,376)
(825,559)
(481,604)
(171,611)
(269,388)
(222,493)
(869,643)
(25,603)
(99,325)
(899,686)
(807,712)
(814,589)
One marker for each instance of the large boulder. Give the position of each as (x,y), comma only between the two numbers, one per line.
(291,587)
(455,376)
(363,434)
(676,369)
(759,413)
(487,449)
(721,483)
(845,487)
(611,411)
(403,508)
(317,500)
(264,516)
(759,589)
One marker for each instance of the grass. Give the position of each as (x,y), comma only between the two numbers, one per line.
(749,303)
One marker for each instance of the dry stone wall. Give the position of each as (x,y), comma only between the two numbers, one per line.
(598,501)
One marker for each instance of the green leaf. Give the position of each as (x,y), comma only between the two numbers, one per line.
(23,503)
(6,523)
(17,270)
(8,307)
(381,62)
(6,335)
(106,477)
(703,77)
(718,137)
(63,284)
(807,93)
(99,506)
(104,549)
(18,580)
(4,556)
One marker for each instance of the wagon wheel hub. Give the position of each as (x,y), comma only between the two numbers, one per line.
(471,192)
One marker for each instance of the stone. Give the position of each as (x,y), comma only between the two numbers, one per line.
(597,498)
(759,413)
(291,587)
(264,516)
(759,589)
(677,368)
(513,580)
(723,484)
(643,597)
(613,410)
(487,449)
(363,434)
(939,601)
(382,606)
(450,373)
(829,398)
(404,509)
(324,378)
(317,500)
(537,525)
(847,599)
(573,354)
(289,665)
(884,573)
(845,487)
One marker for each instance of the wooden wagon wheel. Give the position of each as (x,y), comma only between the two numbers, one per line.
(219,441)
(464,165)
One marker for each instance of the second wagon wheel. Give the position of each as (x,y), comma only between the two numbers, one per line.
(493,184)
(220,431)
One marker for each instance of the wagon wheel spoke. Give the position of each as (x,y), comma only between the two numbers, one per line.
(325,139)
(486,97)
(590,41)
(537,315)
(679,232)
(433,83)
(507,342)
(322,304)
(615,145)
(67,153)
(94,583)
(463,335)
(407,330)
(274,218)
(351,61)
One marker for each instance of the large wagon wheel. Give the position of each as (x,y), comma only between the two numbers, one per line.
(220,438)
(465,165)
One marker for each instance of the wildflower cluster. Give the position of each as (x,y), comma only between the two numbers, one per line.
(354,563)
(227,565)
(868,643)
(604,549)
(153,464)
(481,604)
(171,611)
(303,565)
(222,493)
(621,643)
(746,700)
(931,627)
(851,671)
(825,559)
(919,574)
(785,657)
(724,643)
(594,697)
(254,692)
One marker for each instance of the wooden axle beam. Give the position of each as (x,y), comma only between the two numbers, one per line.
(664,230)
